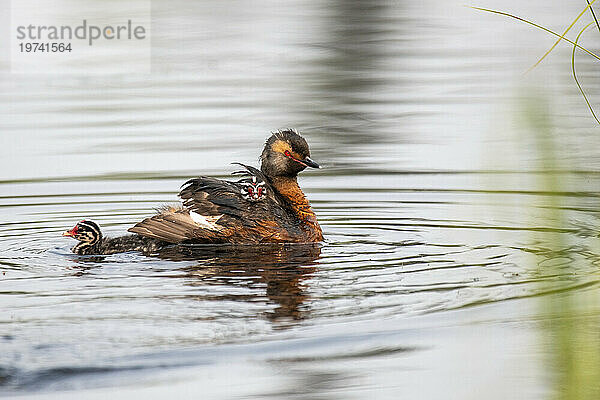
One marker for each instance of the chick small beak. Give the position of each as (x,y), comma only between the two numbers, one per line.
(310,163)
(69,233)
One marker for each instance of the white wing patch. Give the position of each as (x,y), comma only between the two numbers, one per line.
(207,221)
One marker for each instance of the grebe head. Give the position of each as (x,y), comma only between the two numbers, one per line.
(87,232)
(286,153)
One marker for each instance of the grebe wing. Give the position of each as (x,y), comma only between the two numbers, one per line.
(219,211)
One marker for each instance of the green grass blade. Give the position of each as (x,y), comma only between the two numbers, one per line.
(562,36)
(594,15)
(539,27)
(575,74)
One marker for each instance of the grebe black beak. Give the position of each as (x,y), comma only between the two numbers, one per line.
(310,163)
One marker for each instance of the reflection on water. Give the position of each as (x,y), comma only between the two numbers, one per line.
(281,269)
(277,270)
(443,234)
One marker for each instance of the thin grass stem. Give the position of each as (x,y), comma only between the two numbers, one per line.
(575,74)
(561,37)
(593,14)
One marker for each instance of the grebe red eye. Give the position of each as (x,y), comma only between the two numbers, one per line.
(260,191)
(288,154)
(250,190)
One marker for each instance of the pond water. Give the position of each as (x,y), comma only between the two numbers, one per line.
(451,223)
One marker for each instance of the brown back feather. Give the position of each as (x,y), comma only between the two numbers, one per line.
(172,227)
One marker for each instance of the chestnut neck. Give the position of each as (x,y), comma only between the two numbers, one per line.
(287,187)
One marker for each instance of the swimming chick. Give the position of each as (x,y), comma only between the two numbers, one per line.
(263,206)
(91,241)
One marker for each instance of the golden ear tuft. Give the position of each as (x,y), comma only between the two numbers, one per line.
(281,146)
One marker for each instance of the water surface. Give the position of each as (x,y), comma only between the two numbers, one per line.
(440,226)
